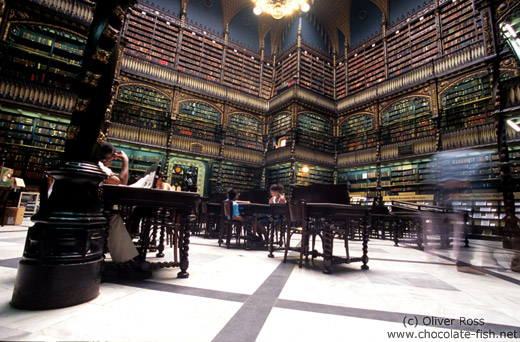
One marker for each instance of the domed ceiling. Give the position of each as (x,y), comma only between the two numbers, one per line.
(330,25)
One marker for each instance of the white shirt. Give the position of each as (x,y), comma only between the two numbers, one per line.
(105,169)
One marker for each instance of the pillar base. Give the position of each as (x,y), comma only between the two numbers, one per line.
(39,286)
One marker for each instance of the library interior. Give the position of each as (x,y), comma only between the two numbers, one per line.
(234,168)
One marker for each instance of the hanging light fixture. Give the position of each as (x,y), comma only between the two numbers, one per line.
(280,8)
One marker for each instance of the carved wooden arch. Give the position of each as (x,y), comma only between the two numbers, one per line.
(329,120)
(261,120)
(203,101)
(61,28)
(344,119)
(457,80)
(145,85)
(270,121)
(412,96)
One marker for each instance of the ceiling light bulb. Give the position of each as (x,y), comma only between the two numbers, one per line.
(257,10)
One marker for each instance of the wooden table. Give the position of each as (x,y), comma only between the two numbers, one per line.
(333,218)
(181,202)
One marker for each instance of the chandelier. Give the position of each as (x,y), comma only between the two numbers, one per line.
(280,8)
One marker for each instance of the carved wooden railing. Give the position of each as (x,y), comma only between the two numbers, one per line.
(243,155)
(74,9)
(408,148)
(313,156)
(357,157)
(278,155)
(510,93)
(138,134)
(470,136)
(37,95)
(435,68)
(173,77)
(186,144)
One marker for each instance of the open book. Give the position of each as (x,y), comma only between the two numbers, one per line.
(149,179)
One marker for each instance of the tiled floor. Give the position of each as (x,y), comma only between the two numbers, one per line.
(239,295)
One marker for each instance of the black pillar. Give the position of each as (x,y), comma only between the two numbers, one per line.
(63,254)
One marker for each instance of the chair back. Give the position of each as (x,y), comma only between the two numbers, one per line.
(204,208)
(227,208)
(296,212)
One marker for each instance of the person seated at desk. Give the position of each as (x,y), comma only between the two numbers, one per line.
(119,242)
(277,196)
(161,182)
(257,229)
(109,153)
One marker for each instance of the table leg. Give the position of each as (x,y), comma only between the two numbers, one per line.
(185,235)
(364,258)
(328,241)
(272,228)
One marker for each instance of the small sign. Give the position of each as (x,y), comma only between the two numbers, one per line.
(405,150)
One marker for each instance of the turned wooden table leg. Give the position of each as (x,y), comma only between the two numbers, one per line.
(185,236)
(364,258)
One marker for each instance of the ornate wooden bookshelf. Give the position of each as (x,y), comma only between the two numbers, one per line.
(362,182)
(357,132)
(482,198)
(31,143)
(459,28)
(423,40)
(198,120)
(267,78)
(43,54)
(151,38)
(406,119)
(278,130)
(398,52)
(315,175)
(286,69)
(245,131)
(279,174)
(240,177)
(315,132)
(316,72)
(356,76)
(341,81)
(141,106)
(468,103)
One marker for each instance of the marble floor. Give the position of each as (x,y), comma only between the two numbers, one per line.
(238,295)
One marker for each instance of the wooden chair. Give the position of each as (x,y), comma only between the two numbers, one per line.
(228,223)
(296,220)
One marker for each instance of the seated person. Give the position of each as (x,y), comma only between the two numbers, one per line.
(161,182)
(277,196)
(258,230)
(119,242)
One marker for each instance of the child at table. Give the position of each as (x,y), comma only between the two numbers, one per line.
(276,191)
(233,196)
